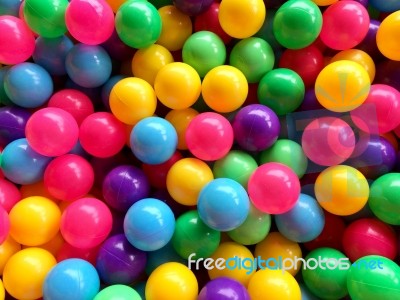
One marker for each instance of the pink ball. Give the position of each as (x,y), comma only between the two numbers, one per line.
(9,194)
(17,42)
(4,225)
(86,223)
(345,25)
(209,136)
(274,188)
(52,131)
(102,135)
(90,21)
(328,141)
(69,177)
(73,101)
(380,113)
(369,237)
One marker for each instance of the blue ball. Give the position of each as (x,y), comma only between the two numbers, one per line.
(223,204)
(28,85)
(153,140)
(88,66)
(72,278)
(304,222)
(51,54)
(149,224)
(386,5)
(21,164)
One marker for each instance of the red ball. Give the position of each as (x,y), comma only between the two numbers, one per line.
(67,251)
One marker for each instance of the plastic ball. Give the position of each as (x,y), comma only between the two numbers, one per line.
(118,51)
(9,194)
(86,223)
(376,276)
(57,137)
(11,8)
(132,99)
(68,251)
(387,6)
(118,262)
(241,19)
(71,278)
(223,288)
(177,85)
(4,99)
(170,281)
(357,56)
(161,256)
(387,36)
(204,50)
(256,127)
(223,204)
(342,85)
(4,225)
(180,119)
(46,18)
(383,200)
(369,42)
(224,88)
(326,273)
(88,66)
(12,123)
(274,188)
(90,21)
(7,249)
(21,164)
(324,2)
(138,24)
(282,90)
(118,292)
(186,178)
(193,7)
(146,62)
(149,224)
(102,135)
(286,26)
(2,291)
(22,78)
(341,190)
(25,273)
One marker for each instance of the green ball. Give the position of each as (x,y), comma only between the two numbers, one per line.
(368,280)
(204,50)
(254,57)
(237,165)
(326,280)
(384,199)
(282,90)
(138,24)
(254,229)
(193,236)
(46,17)
(118,292)
(297,24)
(286,152)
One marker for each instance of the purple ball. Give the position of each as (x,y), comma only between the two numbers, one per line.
(125,185)
(310,101)
(223,288)
(369,43)
(118,262)
(256,127)
(12,124)
(193,7)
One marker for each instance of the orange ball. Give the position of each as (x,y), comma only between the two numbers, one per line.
(180,119)
(360,57)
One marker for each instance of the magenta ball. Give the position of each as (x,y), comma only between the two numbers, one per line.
(9,194)
(328,141)
(209,136)
(125,185)
(68,177)
(256,127)
(4,225)
(223,288)
(52,131)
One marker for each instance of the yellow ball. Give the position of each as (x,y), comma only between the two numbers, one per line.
(342,86)
(241,18)
(25,272)
(132,99)
(324,2)
(225,89)
(7,249)
(273,284)
(180,119)
(388,36)
(2,292)
(186,178)
(34,221)
(360,57)
(177,85)
(171,281)
(146,62)
(341,190)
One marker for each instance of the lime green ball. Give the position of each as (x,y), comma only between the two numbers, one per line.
(118,292)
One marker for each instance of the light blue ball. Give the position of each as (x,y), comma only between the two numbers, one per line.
(71,279)
(149,224)
(28,85)
(21,164)
(153,140)
(223,204)
(304,222)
